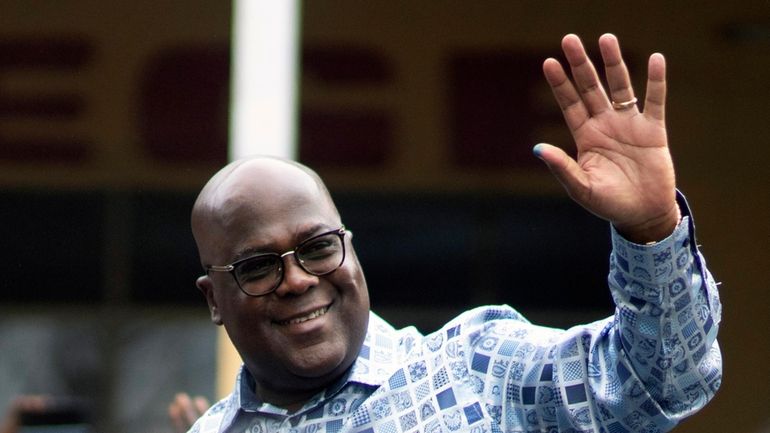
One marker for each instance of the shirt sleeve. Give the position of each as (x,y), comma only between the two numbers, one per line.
(654,362)
(658,360)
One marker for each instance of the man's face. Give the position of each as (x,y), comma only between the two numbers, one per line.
(307,332)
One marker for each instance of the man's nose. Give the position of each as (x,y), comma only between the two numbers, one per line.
(296,280)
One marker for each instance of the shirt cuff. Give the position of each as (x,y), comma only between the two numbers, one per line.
(656,262)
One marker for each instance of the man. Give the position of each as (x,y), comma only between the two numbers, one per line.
(283,278)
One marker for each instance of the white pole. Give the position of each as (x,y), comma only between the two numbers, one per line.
(262,106)
(264,78)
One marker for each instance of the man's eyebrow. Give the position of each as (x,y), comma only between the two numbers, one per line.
(301,235)
(248,252)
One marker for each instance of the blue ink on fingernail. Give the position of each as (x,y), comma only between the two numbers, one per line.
(538,150)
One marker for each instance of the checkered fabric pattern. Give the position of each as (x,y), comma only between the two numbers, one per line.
(489,370)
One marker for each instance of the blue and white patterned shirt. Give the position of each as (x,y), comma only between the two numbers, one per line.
(489,370)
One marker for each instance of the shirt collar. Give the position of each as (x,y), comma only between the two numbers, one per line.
(379,354)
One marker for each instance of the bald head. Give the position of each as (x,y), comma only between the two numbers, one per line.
(259,184)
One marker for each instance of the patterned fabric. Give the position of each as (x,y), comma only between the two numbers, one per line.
(489,370)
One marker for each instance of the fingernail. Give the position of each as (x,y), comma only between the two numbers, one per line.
(538,150)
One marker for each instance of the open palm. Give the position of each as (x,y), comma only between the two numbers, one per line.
(623,172)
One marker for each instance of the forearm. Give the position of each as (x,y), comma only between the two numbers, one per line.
(666,321)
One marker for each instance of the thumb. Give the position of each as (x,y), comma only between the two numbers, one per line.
(565,169)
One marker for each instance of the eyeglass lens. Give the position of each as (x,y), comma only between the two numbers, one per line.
(318,256)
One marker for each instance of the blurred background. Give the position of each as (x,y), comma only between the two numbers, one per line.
(420,115)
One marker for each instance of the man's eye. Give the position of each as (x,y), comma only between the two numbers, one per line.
(318,249)
(256,269)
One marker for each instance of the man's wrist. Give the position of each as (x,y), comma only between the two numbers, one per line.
(654,230)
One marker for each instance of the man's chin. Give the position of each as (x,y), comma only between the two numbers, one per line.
(319,369)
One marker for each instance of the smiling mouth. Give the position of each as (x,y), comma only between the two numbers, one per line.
(312,315)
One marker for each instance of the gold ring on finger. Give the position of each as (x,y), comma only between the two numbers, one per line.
(624,105)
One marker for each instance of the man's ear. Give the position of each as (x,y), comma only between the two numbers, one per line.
(206,286)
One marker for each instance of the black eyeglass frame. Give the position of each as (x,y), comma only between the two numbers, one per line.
(282,268)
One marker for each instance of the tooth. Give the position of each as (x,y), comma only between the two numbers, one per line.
(318,313)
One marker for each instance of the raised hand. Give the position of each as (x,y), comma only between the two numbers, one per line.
(183,411)
(623,172)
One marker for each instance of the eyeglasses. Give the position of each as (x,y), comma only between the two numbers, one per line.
(262,274)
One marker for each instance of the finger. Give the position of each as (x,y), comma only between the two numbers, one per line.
(615,69)
(182,411)
(565,169)
(30,403)
(190,410)
(575,113)
(655,99)
(201,405)
(586,79)
(175,415)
